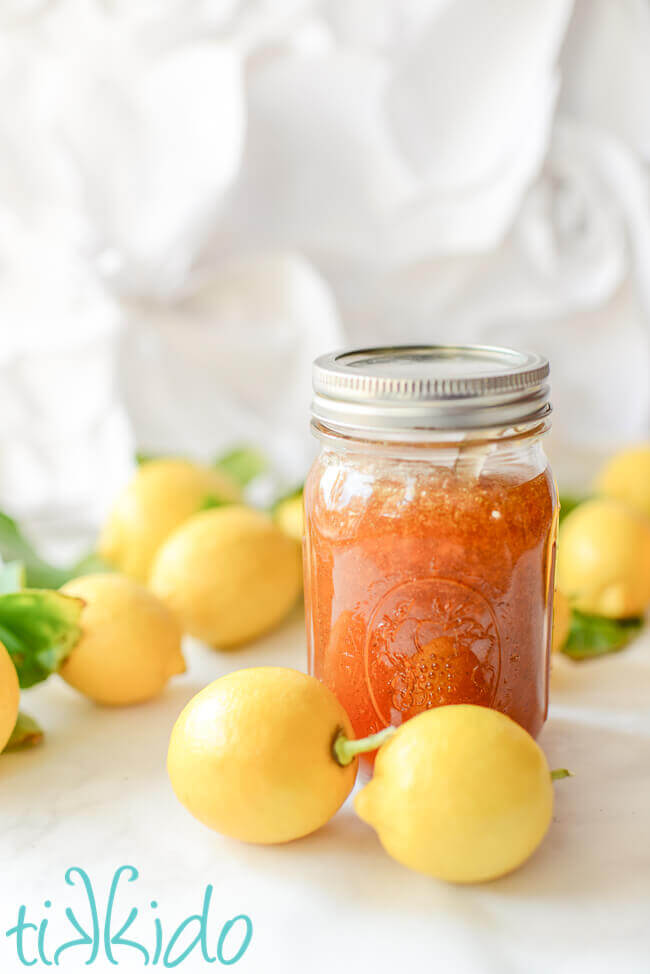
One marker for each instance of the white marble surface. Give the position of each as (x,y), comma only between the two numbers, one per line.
(96,795)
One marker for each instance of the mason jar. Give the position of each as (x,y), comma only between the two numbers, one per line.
(430,525)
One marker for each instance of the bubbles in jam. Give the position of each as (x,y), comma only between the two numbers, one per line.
(425,586)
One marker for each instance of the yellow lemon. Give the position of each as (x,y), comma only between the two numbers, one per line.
(461,792)
(288,515)
(626,477)
(561,620)
(130,643)
(603,561)
(161,495)
(229,574)
(9,696)
(251,755)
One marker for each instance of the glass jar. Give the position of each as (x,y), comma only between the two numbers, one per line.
(430,524)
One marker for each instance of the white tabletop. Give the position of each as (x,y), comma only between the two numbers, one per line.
(95,795)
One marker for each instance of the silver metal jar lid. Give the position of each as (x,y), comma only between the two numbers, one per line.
(402,388)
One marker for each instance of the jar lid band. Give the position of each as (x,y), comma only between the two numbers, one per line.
(404,388)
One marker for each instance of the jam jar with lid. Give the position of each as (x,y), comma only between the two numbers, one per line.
(430,524)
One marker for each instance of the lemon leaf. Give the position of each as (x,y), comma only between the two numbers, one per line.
(141,457)
(591,636)
(242,464)
(211,500)
(26,733)
(16,550)
(38,628)
(15,547)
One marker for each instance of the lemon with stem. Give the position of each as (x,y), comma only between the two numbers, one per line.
(251,755)
(461,793)
(266,755)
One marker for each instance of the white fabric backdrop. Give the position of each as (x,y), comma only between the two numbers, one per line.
(198,197)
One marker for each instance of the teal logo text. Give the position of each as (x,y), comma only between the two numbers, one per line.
(122,933)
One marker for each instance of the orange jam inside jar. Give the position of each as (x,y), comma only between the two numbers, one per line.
(430,533)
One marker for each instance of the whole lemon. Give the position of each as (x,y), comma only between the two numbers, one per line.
(130,643)
(603,563)
(9,696)
(251,755)
(561,620)
(288,514)
(460,792)
(161,495)
(626,477)
(229,574)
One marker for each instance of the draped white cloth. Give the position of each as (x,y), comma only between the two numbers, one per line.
(196,198)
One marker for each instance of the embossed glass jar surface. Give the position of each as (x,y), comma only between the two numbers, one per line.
(429,554)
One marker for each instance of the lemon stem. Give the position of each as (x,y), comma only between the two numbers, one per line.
(345,750)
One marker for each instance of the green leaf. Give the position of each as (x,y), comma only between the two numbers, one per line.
(142,458)
(568,503)
(211,500)
(592,636)
(26,733)
(16,551)
(38,629)
(243,464)
(15,547)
